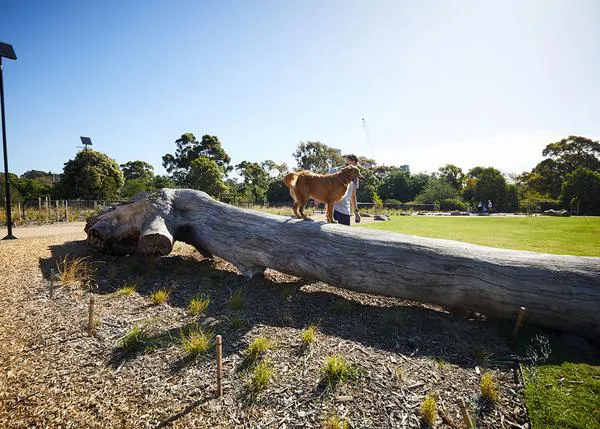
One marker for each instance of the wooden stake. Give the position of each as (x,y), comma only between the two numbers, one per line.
(519,322)
(219,347)
(51,283)
(91,314)
(465,414)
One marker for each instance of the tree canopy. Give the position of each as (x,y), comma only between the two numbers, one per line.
(190,149)
(91,175)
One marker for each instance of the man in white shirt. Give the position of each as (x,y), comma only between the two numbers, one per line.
(342,208)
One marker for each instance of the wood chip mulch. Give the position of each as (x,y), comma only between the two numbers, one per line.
(53,373)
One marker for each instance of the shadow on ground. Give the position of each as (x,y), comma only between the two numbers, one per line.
(283,301)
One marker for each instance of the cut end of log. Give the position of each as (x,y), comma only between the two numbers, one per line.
(155,244)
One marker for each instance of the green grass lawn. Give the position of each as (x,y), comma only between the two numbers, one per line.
(573,236)
(563,394)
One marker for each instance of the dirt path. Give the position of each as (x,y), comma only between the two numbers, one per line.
(46,230)
(53,374)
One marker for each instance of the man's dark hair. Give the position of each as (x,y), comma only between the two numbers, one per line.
(352,157)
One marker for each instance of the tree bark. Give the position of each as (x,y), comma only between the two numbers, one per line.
(560,292)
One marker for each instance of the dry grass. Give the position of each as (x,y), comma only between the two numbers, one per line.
(336,370)
(489,390)
(257,347)
(128,289)
(428,410)
(237,301)
(73,270)
(198,305)
(261,376)
(196,341)
(309,335)
(335,422)
(159,296)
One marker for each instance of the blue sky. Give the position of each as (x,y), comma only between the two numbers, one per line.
(452,81)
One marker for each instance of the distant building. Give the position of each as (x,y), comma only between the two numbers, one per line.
(405,168)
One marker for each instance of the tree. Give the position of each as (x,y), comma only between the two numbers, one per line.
(15,194)
(274,170)
(574,152)
(452,175)
(91,175)
(256,180)
(436,191)
(206,175)
(317,157)
(483,184)
(581,189)
(134,170)
(190,149)
(563,158)
(163,182)
(395,186)
(42,176)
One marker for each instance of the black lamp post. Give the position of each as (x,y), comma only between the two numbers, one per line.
(6,51)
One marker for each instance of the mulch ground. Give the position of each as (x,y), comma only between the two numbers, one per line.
(54,374)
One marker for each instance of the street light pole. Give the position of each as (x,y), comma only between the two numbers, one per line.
(6,51)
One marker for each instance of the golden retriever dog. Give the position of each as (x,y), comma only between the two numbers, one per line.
(327,188)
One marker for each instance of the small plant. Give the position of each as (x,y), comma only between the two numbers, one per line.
(236,302)
(128,289)
(134,340)
(398,374)
(336,369)
(309,334)
(198,305)
(335,422)
(440,363)
(482,355)
(196,341)
(159,296)
(428,410)
(342,307)
(489,391)
(236,323)
(288,292)
(72,270)
(261,375)
(395,318)
(257,347)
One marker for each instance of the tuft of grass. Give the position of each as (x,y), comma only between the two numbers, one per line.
(237,302)
(236,323)
(336,370)
(489,391)
(73,270)
(128,289)
(159,296)
(440,363)
(288,292)
(335,422)
(257,347)
(198,305)
(196,341)
(261,375)
(482,355)
(398,374)
(428,410)
(342,306)
(395,318)
(136,339)
(309,334)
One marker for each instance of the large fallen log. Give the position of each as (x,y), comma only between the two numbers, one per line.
(559,292)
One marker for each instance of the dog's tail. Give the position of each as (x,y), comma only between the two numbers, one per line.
(290,179)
